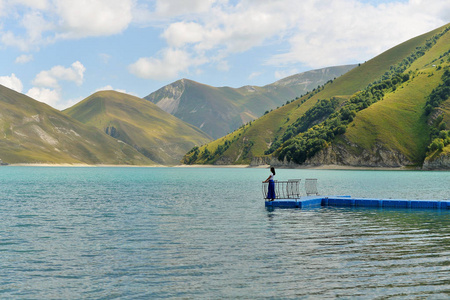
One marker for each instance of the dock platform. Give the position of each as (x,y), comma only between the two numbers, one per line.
(317,201)
(288,196)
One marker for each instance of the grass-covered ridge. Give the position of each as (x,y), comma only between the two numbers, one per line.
(139,123)
(33,132)
(378,106)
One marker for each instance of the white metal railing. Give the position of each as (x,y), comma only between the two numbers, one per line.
(290,189)
(311,186)
(283,189)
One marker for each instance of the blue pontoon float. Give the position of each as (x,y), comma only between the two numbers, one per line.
(288,196)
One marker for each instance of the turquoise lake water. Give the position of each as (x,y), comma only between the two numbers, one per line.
(204,233)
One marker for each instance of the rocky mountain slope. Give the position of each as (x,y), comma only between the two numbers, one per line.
(220,110)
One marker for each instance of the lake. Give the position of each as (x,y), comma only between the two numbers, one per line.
(204,233)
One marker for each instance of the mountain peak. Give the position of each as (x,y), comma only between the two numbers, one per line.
(169,96)
(220,110)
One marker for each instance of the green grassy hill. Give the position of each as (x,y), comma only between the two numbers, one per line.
(220,110)
(33,132)
(377,114)
(156,134)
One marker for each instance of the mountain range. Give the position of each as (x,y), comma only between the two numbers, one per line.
(109,127)
(220,110)
(391,111)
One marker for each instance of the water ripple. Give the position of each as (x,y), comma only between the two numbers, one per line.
(134,233)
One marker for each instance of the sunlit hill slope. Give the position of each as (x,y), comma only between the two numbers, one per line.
(391,111)
(139,123)
(33,132)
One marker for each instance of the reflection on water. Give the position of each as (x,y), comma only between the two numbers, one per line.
(204,233)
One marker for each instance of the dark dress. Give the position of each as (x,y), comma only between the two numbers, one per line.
(271,192)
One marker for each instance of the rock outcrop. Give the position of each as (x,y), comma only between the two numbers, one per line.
(441,162)
(376,157)
(339,155)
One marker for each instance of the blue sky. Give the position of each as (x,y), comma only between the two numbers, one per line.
(61,51)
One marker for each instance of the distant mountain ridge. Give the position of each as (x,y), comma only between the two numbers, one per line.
(220,110)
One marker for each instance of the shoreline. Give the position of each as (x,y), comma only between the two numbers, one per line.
(129,166)
(322,167)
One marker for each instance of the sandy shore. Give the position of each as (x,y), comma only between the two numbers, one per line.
(134,166)
(339,167)
(323,167)
(81,165)
(221,166)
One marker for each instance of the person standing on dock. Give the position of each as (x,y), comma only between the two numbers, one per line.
(270,180)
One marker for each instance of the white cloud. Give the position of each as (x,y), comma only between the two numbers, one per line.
(110,88)
(51,78)
(171,8)
(234,29)
(338,32)
(249,25)
(106,88)
(12,82)
(45,22)
(318,33)
(35,26)
(2,9)
(172,62)
(220,31)
(309,33)
(10,39)
(47,87)
(180,33)
(38,4)
(24,58)
(48,96)
(84,18)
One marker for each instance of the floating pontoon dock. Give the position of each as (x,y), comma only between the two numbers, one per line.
(288,196)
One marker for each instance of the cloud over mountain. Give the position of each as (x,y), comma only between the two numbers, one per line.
(12,82)
(50,78)
(352,30)
(142,44)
